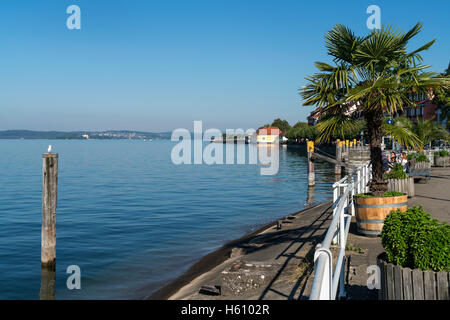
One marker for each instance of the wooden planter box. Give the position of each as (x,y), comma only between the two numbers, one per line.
(371,212)
(402,185)
(441,161)
(419,170)
(420,166)
(398,283)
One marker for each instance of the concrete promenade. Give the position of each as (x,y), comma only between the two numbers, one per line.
(277,262)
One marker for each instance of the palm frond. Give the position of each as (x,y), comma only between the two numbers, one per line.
(402,135)
(341,43)
(335,126)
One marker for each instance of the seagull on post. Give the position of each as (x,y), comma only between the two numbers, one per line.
(50,148)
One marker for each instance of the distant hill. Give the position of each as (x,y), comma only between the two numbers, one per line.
(111,134)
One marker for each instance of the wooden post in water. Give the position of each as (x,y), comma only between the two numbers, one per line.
(310,197)
(49,199)
(48,279)
(311,174)
(337,166)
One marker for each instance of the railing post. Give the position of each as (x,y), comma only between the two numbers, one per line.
(367,177)
(327,281)
(364,179)
(358,181)
(342,293)
(341,229)
(336,189)
(352,193)
(344,207)
(337,166)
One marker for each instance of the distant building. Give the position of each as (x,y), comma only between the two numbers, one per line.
(425,109)
(314,116)
(268,135)
(85,136)
(351,109)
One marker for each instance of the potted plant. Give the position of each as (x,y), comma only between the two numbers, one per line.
(420,158)
(441,158)
(399,181)
(371,210)
(416,261)
(419,165)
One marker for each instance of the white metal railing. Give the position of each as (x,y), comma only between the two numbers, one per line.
(326,282)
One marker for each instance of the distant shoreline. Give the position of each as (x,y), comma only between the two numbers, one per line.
(83,135)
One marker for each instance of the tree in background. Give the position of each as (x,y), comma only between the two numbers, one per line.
(442,98)
(283,125)
(301,130)
(426,130)
(372,75)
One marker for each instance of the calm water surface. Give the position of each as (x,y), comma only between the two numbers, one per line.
(129,218)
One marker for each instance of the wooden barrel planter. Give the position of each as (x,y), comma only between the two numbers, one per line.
(402,185)
(371,212)
(441,161)
(398,283)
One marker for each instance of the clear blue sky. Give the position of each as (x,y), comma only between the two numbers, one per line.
(159,65)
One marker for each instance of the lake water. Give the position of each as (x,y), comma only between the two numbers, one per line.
(131,219)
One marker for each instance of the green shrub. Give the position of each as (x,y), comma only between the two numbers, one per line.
(430,247)
(393,194)
(442,153)
(419,157)
(412,239)
(396,172)
(386,194)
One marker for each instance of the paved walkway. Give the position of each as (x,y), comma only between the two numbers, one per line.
(433,196)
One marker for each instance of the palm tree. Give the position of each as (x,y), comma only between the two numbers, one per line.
(402,131)
(372,76)
(427,130)
(442,98)
(424,130)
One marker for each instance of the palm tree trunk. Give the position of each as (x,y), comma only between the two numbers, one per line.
(374,122)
